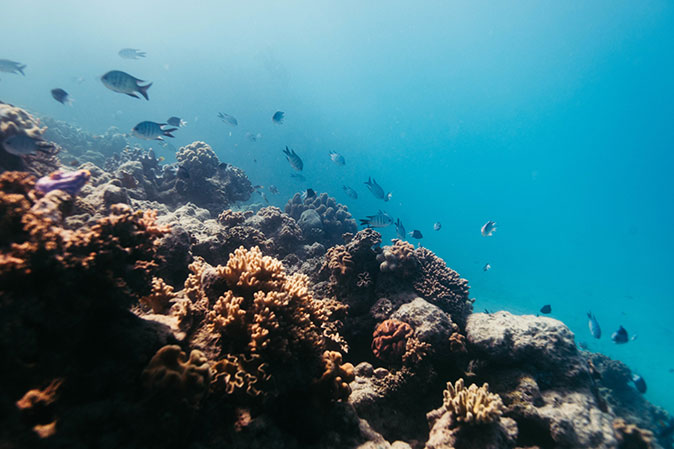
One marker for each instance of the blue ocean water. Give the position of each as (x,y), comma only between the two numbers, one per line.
(554,119)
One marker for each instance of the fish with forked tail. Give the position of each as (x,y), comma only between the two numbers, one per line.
(152,131)
(8,66)
(381,220)
(376,189)
(122,82)
(593,324)
(293,159)
(488,229)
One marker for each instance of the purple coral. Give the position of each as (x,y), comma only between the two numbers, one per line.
(69,182)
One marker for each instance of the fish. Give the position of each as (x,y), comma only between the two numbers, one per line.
(273,189)
(486,267)
(620,336)
(61,96)
(583,345)
(131,53)
(228,118)
(381,220)
(161,159)
(416,234)
(337,158)
(278,117)
(546,309)
(639,383)
(376,190)
(308,194)
(294,159)
(176,121)
(8,66)
(298,176)
(122,82)
(400,230)
(437,226)
(350,192)
(258,186)
(152,131)
(264,197)
(253,137)
(488,229)
(593,324)
(23,145)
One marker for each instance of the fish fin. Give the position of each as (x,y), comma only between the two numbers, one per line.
(141,54)
(20,68)
(134,96)
(143,90)
(159,138)
(169,131)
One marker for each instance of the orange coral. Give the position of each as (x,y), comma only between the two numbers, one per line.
(160,297)
(389,340)
(334,383)
(40,398)
(339,260)
(457,342)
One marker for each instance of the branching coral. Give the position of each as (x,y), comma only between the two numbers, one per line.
(398,258)
(170,372)
(457,342)
(472,405)
(160,297)
(389,340)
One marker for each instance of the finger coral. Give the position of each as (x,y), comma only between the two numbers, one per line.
(160,296)
(171,372)
(389,340)
(398,258)
(472,405)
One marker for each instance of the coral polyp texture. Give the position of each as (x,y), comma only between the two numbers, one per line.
(472,405)
(321,218)
(398,258)
(389,340)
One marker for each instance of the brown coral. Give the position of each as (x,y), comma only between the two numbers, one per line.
(632,437)
(160,297)
(389,340)
(233,218)
(415,351)
(457,342)
(472,405)
(334,383)
(398,258)
(339,260)
(171,372)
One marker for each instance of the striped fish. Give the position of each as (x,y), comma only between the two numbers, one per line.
(122,82)
(376,190)
(400,230)
(152,131)
(381,220)
(294,159)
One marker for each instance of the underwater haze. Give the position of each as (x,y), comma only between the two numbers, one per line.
(553,119)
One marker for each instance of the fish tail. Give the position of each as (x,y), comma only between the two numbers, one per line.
(365,222)
(167,132)
(143,90)
(20,68)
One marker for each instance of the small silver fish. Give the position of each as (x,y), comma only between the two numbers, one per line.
(131,53)
(176,121)
(437,226)
(8,66)
(228,118)
(337,158)
(376,190)
(488,229)
(61,96)
(381,220)
(593,324)
(350,192)
(278,117)
(122,82)
(400,230)
(254,137)
(23,145)
(486,267)
(152,131)
(293,159)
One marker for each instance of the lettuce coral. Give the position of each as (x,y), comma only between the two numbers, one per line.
(472,405)
(171,372)
(389,340)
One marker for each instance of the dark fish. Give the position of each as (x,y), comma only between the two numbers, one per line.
(8,66)
(620,336)
(350,192)
(298,176)
(278,117)
(253,137)
(376,190)
(223,165)
(61,96)
(639,383)
(488,229)
(308,194)
(273,189)
(546,309)
(176,121)
(337,158)
(23,145)
(416,234)
(183,173)
(400,230)
(228,118)
(437,226)
(593,324)
(381,220)
(486,267)
(152,131)
(131,53)
(122,82)
(294,159)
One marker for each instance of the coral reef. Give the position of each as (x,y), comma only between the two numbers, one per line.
(472,405)
(327,221)
(631,437)
(398,258)
(389,340)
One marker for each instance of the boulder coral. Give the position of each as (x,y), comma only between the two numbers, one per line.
(17,124)
(398,258)
(335,218)
(472,405)
(389,340)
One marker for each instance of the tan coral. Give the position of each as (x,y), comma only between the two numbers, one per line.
(160,297)
(249,270)
(239,374)
(472,405)
(339,260)
(457,342)
(334,383)
(632,437)
(171,372)
(230,218)
(40,398)
(398,258)
(415,351)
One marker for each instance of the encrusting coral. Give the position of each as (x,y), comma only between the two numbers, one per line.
(472,405)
